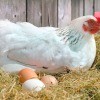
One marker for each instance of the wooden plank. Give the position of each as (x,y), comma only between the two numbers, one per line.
(64,12)
(88,7)
(14,10)
(97,5)
(49,12)
(77,8)
(34,12)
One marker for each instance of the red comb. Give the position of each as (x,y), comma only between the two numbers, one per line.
(97,16)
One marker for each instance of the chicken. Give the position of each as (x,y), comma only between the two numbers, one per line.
(48,49)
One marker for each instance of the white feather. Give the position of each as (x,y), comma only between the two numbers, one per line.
(42,48)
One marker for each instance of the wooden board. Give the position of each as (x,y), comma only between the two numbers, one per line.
(34,12)
(89,7)
(14,10)
(77,8)
(64,12)
(49,12)
(97,5)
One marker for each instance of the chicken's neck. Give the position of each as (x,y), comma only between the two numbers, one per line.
(74,38)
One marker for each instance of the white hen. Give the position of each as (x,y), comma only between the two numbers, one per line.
(48,49)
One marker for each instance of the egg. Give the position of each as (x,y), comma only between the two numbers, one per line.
(49,80)
(26,74)
(33,84)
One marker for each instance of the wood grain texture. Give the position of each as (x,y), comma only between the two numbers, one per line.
(49,12)
(88,9)
(14,10)
(77,8)
(34,12)
(97,5)
(64,12)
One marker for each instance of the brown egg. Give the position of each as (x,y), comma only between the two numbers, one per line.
(26,74)
(49,80)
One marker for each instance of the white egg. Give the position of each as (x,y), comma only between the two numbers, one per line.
(33,84)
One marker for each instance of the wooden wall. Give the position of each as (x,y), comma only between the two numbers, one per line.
(47,12)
